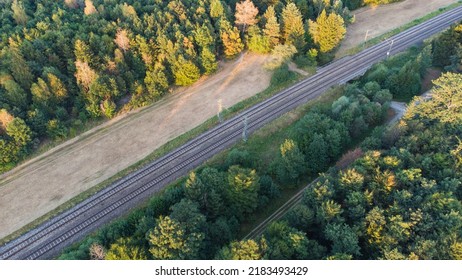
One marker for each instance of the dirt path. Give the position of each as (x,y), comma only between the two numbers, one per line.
(41,185)
(375,21)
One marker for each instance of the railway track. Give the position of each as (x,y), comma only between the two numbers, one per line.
(279,213)
(51,237)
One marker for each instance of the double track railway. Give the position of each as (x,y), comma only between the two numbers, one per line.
(49,238)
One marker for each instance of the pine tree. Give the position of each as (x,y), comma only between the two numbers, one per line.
(293,30)
(272,28)
(327,31)
(193,187)
(82,51)
(19,12)
(57,87)
(18,66)
(256,42)
(216,9)
(14,94)
(185,72)
(208,61)
(292,162)
(316,154)
(243,188)
(203,36)
(231,39)
(41,95)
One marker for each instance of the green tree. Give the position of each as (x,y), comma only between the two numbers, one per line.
(208,61)
(291,163)
(82,51)
(317,154)
(42,95)
(156,82)
(124,249)
(203,36)
(18,130)
(171,241)
(445,104)
(185,72)
(256,42)
(445,46)
(230,38)
(344,239)
(327,31)
(56,129)
(293,30)
(300,217)
(272,28)
(216,9)
(14,94)
(243,189)
(194,188)
(286,243)
(187,213)
(18,65)
(244,250)
(19,12)
(279,55)
(407,82)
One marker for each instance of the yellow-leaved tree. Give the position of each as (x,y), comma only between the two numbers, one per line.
(327,31)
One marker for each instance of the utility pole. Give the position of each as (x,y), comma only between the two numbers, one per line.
(244,132)
(365,37)
(220,109)
(389,50)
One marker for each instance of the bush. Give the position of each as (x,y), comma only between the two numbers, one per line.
(279,55)
(239,157)
(302,61)
(282,75)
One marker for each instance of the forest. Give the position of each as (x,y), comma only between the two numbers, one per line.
(401,199)
(65,64)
